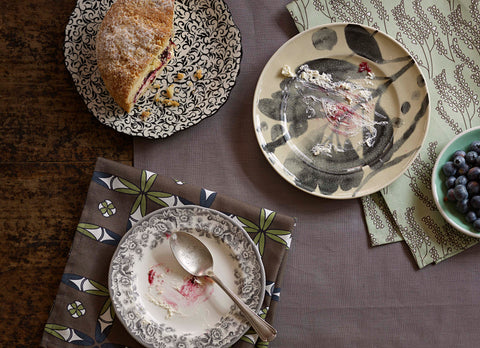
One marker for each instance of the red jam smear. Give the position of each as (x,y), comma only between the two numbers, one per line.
(151,276)
(164,57)
(363,66)
(193,289)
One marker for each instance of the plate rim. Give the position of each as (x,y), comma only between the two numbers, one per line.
(316,192)
(190,206)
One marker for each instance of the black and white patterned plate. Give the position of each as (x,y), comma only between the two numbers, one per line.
(206,38)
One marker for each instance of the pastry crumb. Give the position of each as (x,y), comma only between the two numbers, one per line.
(156,85)
(198,74)
(170,102)
(190,83)
(170,91)
(145,114)
(287,71)
(180,76)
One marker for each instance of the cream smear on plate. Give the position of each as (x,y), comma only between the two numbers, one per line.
(176,294)
(348,107)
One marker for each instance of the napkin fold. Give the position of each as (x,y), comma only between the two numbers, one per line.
(443,38)
(118,196)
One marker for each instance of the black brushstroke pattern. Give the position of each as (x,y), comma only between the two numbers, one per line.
(363,43)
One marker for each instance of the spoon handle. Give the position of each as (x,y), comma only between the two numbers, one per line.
(265,331)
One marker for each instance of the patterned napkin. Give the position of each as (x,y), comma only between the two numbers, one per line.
(444,39)
(119,196)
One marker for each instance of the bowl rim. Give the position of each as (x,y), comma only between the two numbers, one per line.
(435,172)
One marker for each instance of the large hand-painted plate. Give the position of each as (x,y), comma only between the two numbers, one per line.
(206,38)
(352,131)
(163,306)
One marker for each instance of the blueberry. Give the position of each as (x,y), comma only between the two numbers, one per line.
(450,182)
(461,180)
(475,146)
(449,169)
(471,216)
(451,195)
(464,168)
(473,188)
(463,183)
(476,225)
(462,206)
(458,161)
(471,157)
(473,173)
(461,192)
(475,202)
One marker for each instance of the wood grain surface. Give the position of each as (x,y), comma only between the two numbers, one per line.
(49,143)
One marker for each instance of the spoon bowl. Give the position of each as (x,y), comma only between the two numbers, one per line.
(197,260)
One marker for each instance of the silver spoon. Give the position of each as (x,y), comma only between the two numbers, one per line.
(197,260)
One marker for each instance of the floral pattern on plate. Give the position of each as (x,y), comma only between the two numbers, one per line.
(206,39)
(215,322)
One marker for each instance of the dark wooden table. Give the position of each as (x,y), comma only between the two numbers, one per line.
(49,143)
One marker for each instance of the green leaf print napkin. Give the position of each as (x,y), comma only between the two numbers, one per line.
(444,39)
(119,196)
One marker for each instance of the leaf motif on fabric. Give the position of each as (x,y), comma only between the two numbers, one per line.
(207,197)
(68,334)
(262,231)
(104,321)
(98,233)
(84,284)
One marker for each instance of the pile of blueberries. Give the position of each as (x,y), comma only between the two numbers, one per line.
(463,182)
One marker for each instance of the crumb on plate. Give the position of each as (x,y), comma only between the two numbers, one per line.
(287,71)
(198,74)
(145,114)
(170,102)
(170,91)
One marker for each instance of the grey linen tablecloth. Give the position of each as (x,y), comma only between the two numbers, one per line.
(337,290)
